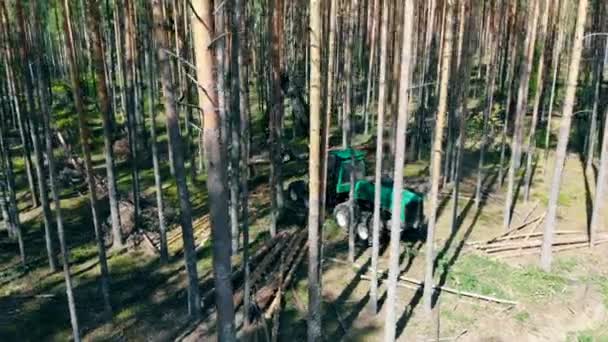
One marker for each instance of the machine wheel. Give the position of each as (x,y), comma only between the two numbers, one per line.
(342,215)
(298,192)
(363,229)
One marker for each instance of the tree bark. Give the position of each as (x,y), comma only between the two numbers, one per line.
(537,102)
(11,82)
(564,132)
(372,53)
(203,32)
(86,151)
(314,266)
(34,132)
(12,210)
(276,113)
(436,157)
(172,122)
(242,21)
(403,104)
(158,185)
(382,97)
(235,114)
(131,103)
(106,115)
(520,110)
(600,192)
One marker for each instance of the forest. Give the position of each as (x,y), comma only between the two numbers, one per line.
(304,170)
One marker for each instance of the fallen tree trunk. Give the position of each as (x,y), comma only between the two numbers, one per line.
(479,244)
(418,286)
(276,303)
(556,249)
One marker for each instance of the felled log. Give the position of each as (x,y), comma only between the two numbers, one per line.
(485,244)
(267,291)
(238,273)
(276,303)
(555,249)
(418,284)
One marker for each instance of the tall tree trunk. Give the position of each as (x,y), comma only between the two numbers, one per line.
(172,121)
(407,54)
(520,110)
(382,97)
(235,150)
(564,134)
(242,20)
(158,185)
(598,68)
(348,78)
(600,192)
(12,215)
(86,151)
(509,69)
(372,53)
(35,135)
(347,126)
(491,84)
(11,82)
(331,70)
(106,115)
(203,33)
(557,48)
(65,253)
(131,103)
(537,103)
(463,110)
(314,262)
(276,113)
(436,157)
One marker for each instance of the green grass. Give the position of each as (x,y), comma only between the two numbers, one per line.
(415,169)
(590,335)
(481,275)
(522,316)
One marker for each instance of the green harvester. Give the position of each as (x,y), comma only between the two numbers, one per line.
(341,164)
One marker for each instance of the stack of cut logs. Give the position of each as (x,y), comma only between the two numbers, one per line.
(273,267)
(517,242)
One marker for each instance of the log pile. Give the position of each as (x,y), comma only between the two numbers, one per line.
(273,267)
(515,242)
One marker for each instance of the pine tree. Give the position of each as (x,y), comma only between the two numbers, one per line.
(160,36)
(203,33)
(564,135)
(436,156)
(407,54)
(314,266)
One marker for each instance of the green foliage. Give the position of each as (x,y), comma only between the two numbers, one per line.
(475,121)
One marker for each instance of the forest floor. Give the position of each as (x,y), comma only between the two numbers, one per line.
(570,303)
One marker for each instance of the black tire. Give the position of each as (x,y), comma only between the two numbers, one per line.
(363,229)
(297,192)
(342,215)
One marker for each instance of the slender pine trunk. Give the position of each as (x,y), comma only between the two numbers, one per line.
(382,98)
(35,136)
(314,263)
(403,104)
(86,151)
(564,134)
(106,115)
(172,122)
(436,158)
